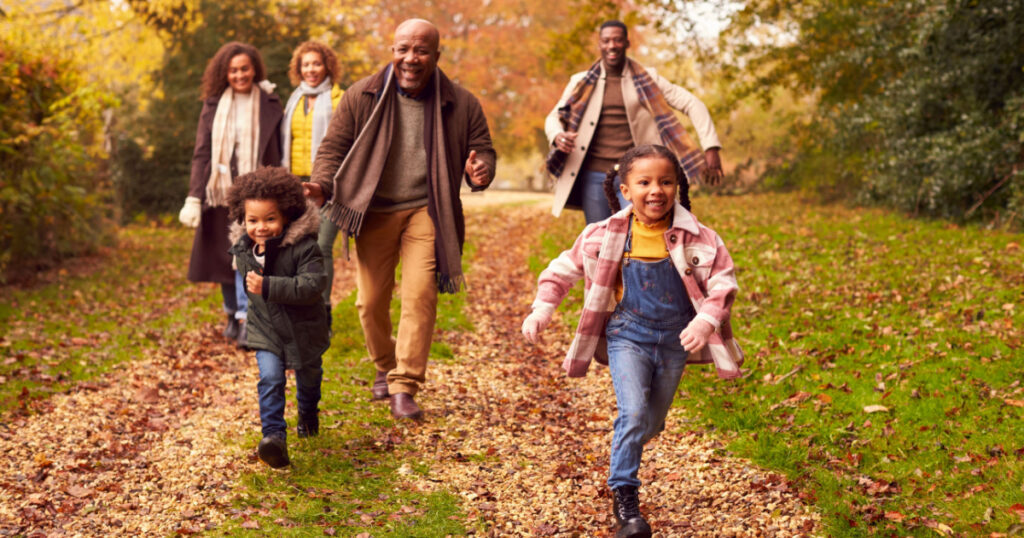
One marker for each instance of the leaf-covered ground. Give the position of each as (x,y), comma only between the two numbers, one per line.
(883,391)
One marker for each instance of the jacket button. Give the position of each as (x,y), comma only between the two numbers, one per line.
(572,174)
(583,148)
(688,271)
(671,239)
(696,260)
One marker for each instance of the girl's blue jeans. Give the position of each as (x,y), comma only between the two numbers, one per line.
(646,364)
(271,391)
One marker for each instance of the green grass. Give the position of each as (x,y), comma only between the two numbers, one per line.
(119,308)
(843,308)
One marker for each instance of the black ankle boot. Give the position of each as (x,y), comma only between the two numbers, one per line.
(308,426)
(243,335)
(273,450)
(626,508)
(231,329)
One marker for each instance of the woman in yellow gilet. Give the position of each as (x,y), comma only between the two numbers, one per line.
(314,68)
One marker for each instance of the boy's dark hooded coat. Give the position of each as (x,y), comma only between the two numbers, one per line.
(288,318)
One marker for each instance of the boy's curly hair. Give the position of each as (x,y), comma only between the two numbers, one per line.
(269,183)
(625,166)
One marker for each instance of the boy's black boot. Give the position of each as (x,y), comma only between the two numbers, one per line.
(627,513)
(231,329)
(308,426)
(273,450)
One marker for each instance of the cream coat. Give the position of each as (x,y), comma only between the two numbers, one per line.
(641,123)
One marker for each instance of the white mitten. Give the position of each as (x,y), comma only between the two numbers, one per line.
(189,214)
(535,323)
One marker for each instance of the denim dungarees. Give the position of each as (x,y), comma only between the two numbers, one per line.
(645,357)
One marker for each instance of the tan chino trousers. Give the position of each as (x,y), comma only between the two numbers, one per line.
(384,239)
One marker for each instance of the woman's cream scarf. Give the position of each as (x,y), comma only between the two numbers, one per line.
(225,128)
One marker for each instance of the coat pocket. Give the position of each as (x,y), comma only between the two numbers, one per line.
(700,258)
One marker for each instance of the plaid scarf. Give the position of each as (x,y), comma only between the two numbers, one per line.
(672,133)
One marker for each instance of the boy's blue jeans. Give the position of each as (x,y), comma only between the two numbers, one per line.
(646,365)
(271,391)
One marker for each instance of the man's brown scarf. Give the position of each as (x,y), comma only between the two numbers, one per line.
(360,172)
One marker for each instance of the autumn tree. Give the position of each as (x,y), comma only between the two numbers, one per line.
(55,194)
(919,102)
(154,155)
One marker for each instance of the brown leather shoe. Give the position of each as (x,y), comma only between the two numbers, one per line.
(403,406)
(379,390)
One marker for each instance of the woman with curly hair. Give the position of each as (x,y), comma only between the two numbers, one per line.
(314,70)
(238,133)
(274,235)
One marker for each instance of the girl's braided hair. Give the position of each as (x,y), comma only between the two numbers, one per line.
(626,165)
(269,183)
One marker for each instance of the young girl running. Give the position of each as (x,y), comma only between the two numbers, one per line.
(274,233)
(658,289)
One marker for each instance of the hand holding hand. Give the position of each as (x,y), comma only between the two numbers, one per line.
(313,192)
(565,141)
(476,169)
(713,171)
(190,212)
(695,336)
(254,282)
(534,324)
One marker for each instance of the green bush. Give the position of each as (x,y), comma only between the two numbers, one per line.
(55,198)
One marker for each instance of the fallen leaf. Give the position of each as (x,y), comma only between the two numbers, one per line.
(78,491)
(250,524)
(1015,403)
(875,409)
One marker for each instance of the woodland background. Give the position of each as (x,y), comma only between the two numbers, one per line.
(880,304)
(911,104)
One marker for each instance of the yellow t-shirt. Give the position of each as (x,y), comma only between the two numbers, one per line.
(648,244)
(302,136)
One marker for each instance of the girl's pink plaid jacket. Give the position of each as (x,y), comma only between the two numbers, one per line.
(698,254)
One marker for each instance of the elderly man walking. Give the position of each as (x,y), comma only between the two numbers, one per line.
(391,164)
(615,105)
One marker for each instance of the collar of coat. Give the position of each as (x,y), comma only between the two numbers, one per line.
(375,84)
(307,224)
(681,220)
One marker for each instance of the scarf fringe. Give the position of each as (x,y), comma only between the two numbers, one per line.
(346,218)
(448,283)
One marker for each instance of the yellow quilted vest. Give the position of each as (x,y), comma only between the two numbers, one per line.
(302,136)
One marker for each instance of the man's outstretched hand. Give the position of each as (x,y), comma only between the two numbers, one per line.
(713,169)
